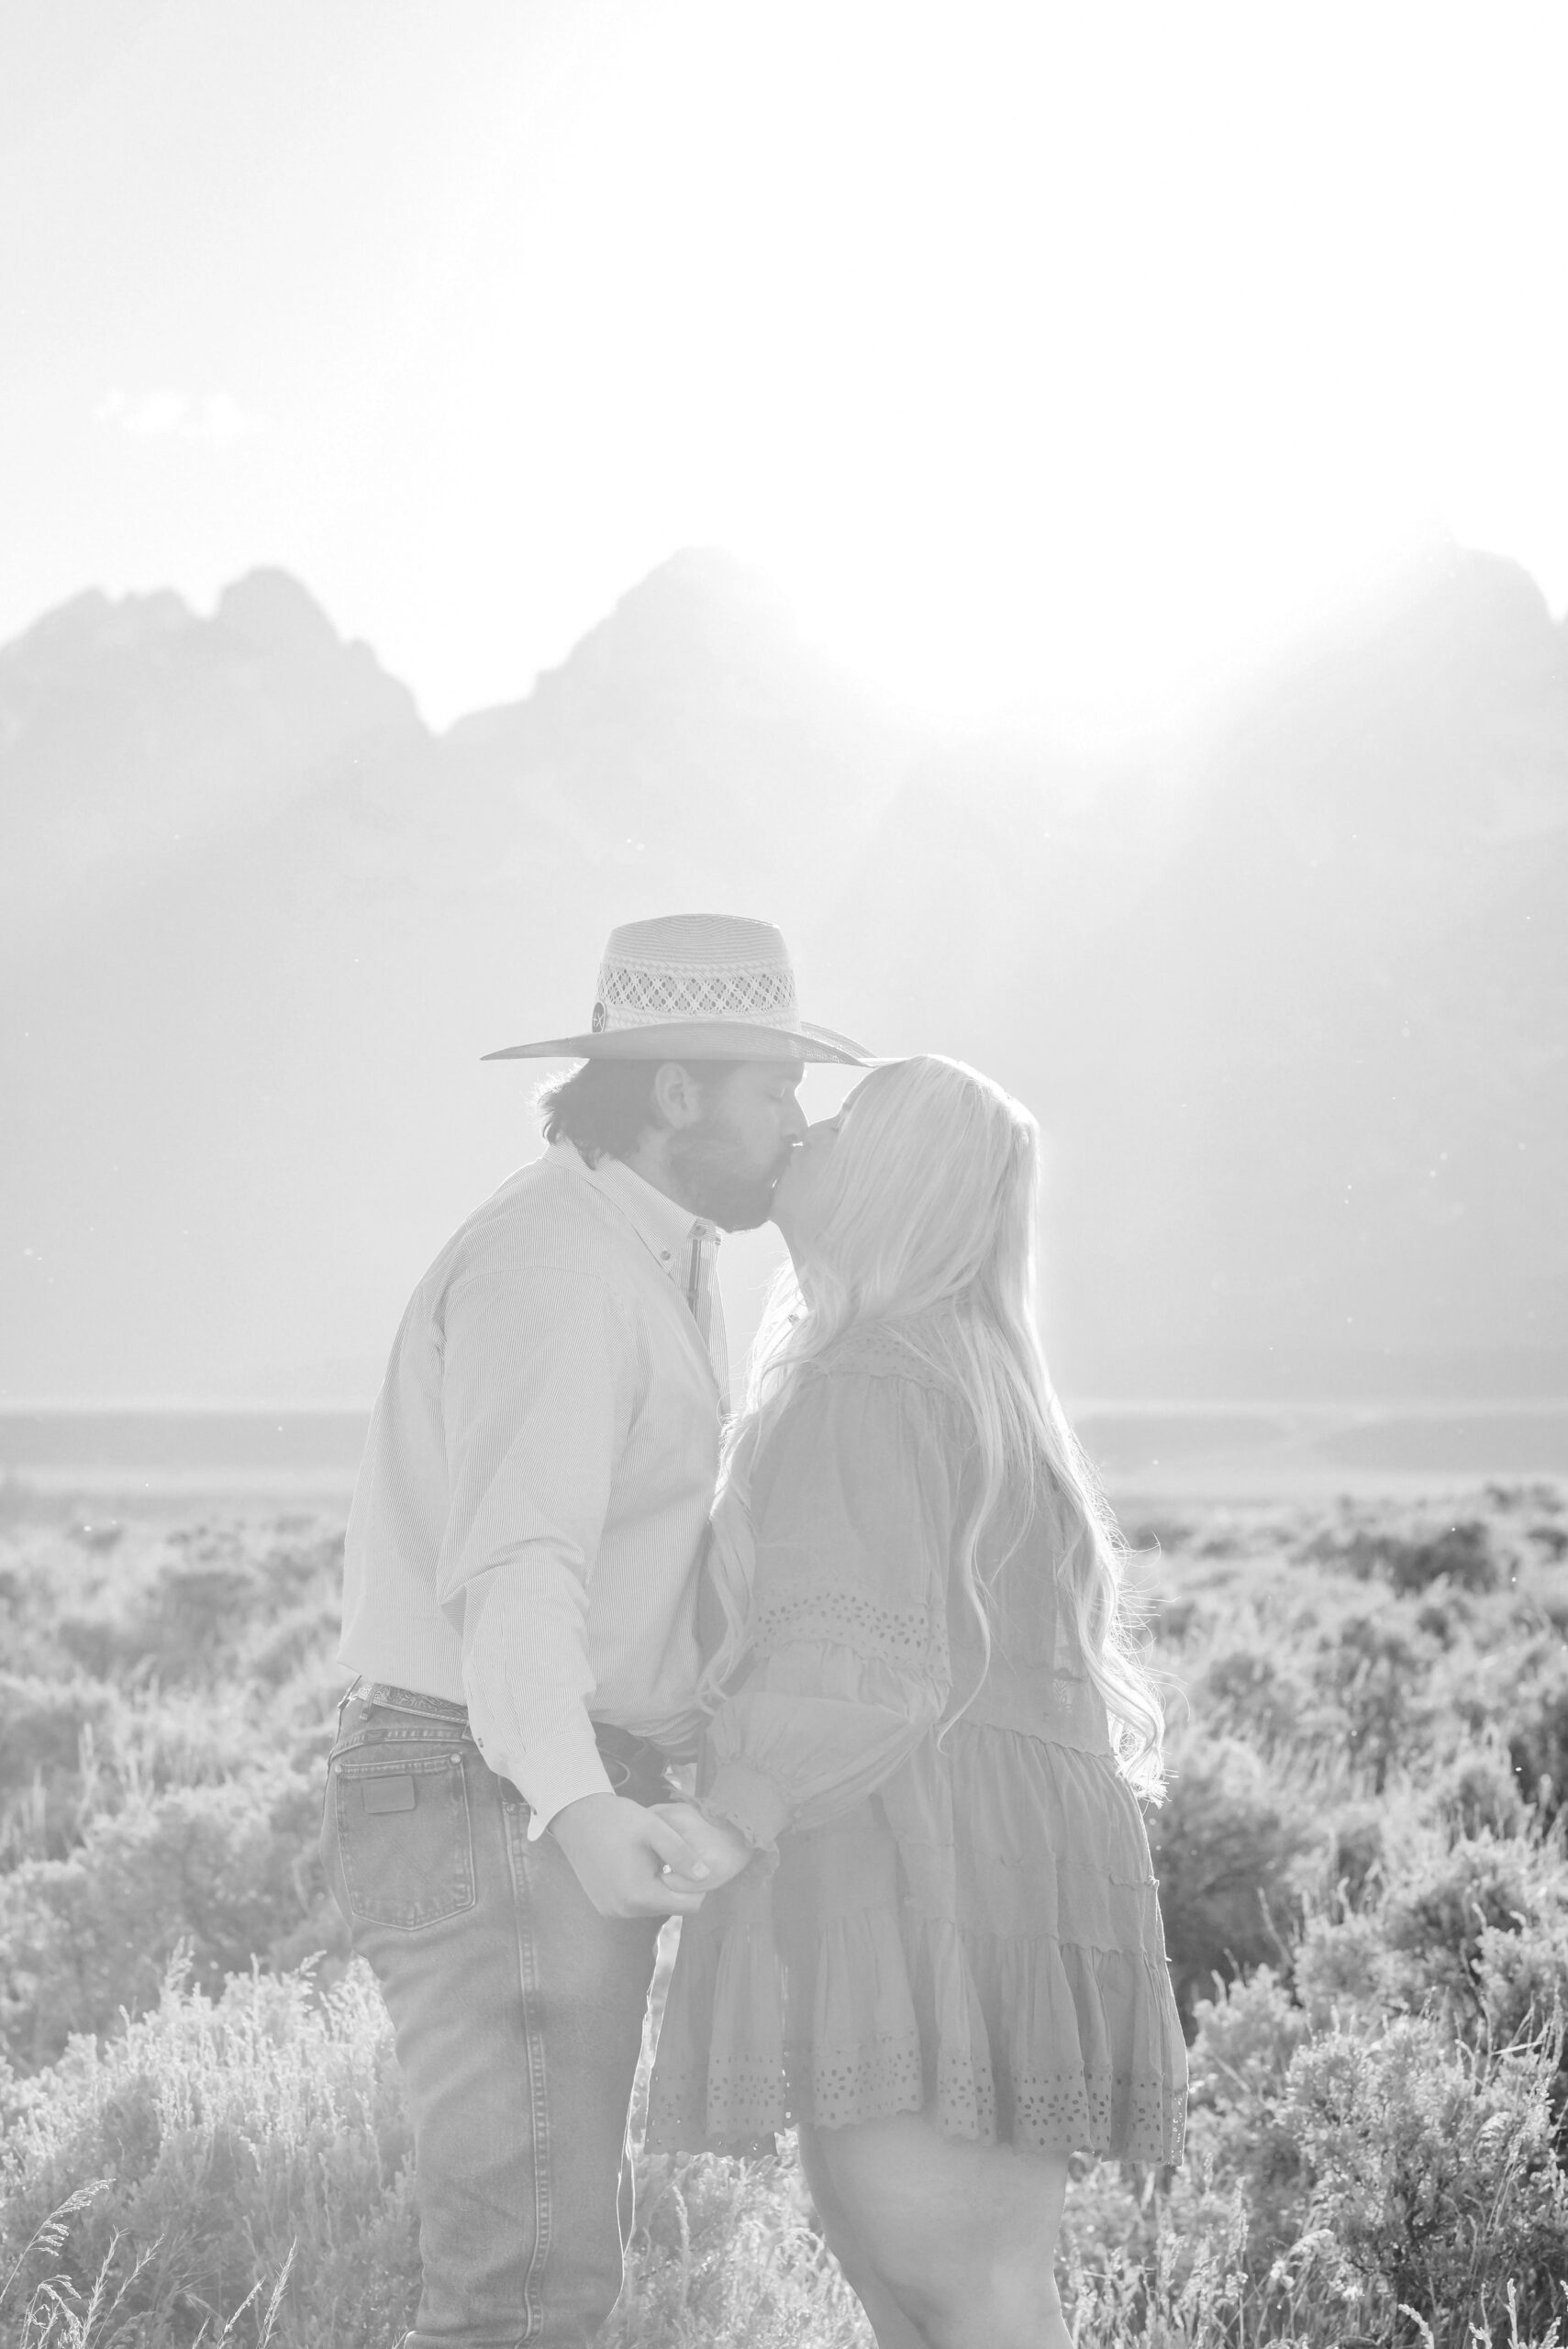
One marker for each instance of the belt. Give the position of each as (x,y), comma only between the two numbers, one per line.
(624,1755)
(410,1701)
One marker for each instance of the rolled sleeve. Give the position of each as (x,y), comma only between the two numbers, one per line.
(539,1391)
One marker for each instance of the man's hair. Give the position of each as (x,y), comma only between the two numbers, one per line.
(604,1106)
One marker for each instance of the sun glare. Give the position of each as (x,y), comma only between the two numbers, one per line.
(1053,361)
(1047,357)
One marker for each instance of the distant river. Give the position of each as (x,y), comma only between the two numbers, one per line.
(1219,1450)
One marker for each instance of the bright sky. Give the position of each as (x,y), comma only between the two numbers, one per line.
(1043,354)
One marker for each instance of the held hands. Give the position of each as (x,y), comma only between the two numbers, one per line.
(619,1851)
(723,1850)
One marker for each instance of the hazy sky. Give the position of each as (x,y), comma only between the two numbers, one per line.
(1037,350)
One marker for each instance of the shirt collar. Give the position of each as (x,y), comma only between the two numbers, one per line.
(663,1225)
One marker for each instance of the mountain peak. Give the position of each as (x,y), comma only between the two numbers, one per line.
(700,608)
(711,575)
(133,733)
(93,622)
(271,612)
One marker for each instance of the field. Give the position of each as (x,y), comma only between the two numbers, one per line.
(1366,1898)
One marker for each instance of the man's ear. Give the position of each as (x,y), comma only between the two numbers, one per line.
(677,1095)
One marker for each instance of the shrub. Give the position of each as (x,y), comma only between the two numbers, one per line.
(1432,2176)
(196,1612)
(1538,1739)
(1463,1554)
(195,1615)
(726,2252)
(1245,2040)
(1224,1842)
(1476,1794)
(187,1737)
(41,1723)
(1367,1918)
(225,2143)
(1246,1693)
(51,1735)
(1522,1975)
(226,1872)
(1372,1672)
(1445,1616)
(1174,1621)
(1522,1990)
(292,1641)
(1342,1966)
(1433,1918)
(262,2137)
(1190,2288)
(1353,1857)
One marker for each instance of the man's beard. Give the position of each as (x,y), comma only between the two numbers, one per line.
(737,1199)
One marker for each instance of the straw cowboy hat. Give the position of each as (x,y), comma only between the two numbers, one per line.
(702,986)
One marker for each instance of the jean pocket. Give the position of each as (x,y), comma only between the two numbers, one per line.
(404,1841)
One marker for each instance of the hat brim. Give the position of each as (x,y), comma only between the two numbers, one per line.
(697,1039)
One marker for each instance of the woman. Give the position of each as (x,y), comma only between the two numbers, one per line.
(941,1955)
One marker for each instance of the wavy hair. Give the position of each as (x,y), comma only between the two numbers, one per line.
(927,1226)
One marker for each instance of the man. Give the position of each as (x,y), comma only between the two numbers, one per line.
(519,1598)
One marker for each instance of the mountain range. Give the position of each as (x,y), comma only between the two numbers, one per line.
(1288,992)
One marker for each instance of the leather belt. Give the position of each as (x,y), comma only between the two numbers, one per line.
(626,1756)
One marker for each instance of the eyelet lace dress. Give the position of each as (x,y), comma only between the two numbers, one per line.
(965,1924)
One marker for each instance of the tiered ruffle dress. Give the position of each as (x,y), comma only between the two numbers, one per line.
(967,1923)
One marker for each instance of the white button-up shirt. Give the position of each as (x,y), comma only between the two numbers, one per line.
(542,1458)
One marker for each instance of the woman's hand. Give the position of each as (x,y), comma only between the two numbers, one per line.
(724,1850)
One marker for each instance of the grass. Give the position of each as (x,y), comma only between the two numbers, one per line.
(202,2131)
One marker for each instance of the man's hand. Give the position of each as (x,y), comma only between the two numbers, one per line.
(723,1850)
(619,1851)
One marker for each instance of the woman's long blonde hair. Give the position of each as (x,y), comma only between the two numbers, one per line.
(925,1225)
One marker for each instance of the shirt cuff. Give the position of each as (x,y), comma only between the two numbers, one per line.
(743,1798)
(550,1776)
(558,1792)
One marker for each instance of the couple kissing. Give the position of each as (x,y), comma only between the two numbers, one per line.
(872,1721)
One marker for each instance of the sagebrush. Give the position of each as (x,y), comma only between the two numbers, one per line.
(1365,1885)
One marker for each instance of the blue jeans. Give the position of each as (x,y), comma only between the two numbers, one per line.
(517,2012)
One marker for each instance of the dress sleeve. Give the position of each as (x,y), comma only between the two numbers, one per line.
(847,1660)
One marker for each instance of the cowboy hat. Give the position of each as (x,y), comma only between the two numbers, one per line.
(698,986)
